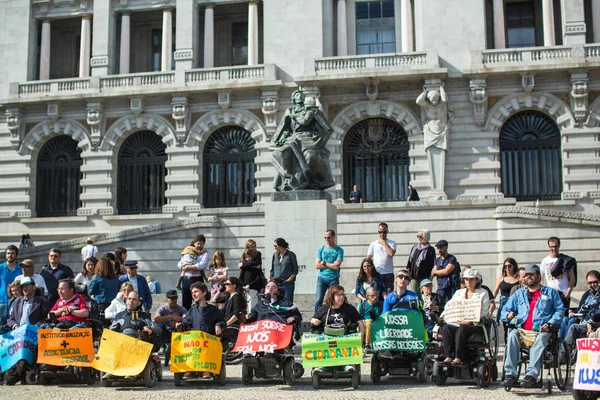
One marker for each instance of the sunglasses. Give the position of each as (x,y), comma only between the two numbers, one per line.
(405,277)
(327,237)
(382,232)
(227,284)
(508,265)
(419,237)
(592,283)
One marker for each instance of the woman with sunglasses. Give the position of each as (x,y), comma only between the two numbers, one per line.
(234,309)
(508,279)
(401,298)
(368,277)
(421,259)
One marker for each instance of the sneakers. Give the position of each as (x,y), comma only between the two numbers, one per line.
(528,381)
(509,380)
(349,368)
(319,370)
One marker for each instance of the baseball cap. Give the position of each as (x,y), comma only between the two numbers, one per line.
(172,294)
(27,281)
(532,268)
(472,273)
(441,243)
(426,282)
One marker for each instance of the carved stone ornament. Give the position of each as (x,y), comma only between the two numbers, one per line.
(269,110)
(312,96)
(479,99)
(372,89)
(137,105)
(96,121)
(181,116)
(528,82)
(53,111)
(16,126)
(224,100)
(579,97)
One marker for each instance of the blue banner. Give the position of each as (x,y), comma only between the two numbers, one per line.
(20,344)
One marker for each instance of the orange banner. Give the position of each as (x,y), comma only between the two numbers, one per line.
(65,347)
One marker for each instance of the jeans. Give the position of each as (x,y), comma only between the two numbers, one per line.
(513,350)
(564,326)
(576,331)
(322,286)
(186,292)
(288,288)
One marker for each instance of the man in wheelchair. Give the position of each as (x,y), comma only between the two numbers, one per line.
(534,310)
(275,307)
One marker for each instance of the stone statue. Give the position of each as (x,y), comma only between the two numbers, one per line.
(299,154)
(438,117)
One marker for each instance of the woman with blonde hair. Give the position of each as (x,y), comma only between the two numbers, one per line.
(251,274)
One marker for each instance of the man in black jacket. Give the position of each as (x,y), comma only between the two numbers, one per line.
(201,316)
(54,272)
(276,308)
(29,309)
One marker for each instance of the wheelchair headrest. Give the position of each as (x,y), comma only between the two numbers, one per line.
(81,289)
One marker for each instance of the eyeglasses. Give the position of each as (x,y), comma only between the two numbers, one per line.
(405,277)
(592,283)
(382,232)
(419,237)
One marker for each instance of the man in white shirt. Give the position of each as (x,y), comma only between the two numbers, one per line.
(382,253)
(562,283)
(29,271)
(89,250)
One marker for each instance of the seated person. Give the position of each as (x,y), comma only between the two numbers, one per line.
(432,303)
(401,298)
(535,306)
(274,307)
(118,303)
(578,331)
(133,321)
(71,309)
(455,334)
(336,315)
(370,310)
(588,302)
(167,316)
(201,316)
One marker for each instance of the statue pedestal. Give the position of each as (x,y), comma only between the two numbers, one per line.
(301,218)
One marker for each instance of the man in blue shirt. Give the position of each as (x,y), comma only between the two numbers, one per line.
(401,298)
(329,262)
(9,270)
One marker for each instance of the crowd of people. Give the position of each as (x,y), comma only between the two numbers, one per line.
(532,298)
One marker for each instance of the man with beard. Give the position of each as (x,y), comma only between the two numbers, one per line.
(274,307)
(9,270)
(536,308)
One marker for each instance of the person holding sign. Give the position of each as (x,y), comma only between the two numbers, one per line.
(534,308)
(455,334)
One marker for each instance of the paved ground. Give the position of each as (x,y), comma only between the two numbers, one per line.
(389,388)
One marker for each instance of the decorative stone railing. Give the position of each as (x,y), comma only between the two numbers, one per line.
(373,62)
(158,82)
(535,56)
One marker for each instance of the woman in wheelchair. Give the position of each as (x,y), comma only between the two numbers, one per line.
(454,335)
(336,318)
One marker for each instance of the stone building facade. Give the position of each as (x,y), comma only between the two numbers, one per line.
(142,122)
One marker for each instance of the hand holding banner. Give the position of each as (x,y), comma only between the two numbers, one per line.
(121,355)
(467,310)
(264,335)
(398,331)
(66,347)
(196,351)
(20,344)
(331,351)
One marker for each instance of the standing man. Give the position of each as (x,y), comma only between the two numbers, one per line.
(446,271)
(140,286)
(382,253)
(329,262)
(54,272)
(558,270)
(194,261)
(536,308)
(9,270)
(413,195)
(28,267)
(167,317)
(355,195)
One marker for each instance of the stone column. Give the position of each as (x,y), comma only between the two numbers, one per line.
(209,36)
(253,32)
(186,33)
(84,46)
(342,29)
(167,40)
(596,20)
(45,51)
(548,15)
(407,27)
(125,43)
(499,25)
(104,39)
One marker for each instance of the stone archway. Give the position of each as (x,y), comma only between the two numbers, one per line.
(118,130)
(47,129)
(211,121)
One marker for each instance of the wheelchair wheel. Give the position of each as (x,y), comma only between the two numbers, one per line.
(105,382)
(562,364)
(421,371)
(494,371)
(316,381)
(222,378)
(150,375)
(289,377)
(298,370)
(437,377)
(484,374)
(32,377)
(247,374)
(177,378)
(375,376)
(493,342)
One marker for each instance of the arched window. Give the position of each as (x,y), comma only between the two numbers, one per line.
(58,178)
(229,168)
(376,159)
(141,174)
(530,158)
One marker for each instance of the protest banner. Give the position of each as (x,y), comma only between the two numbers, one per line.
(121,355)
(263,336)
(467,310)
(331,351)
(66,347)
(587,368)
(398,331)
(20,344)
(196,351)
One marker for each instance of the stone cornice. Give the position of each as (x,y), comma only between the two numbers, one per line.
(547,214)
(205,221)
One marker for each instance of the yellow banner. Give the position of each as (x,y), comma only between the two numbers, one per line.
(196,351)
(65,347)
(121,355)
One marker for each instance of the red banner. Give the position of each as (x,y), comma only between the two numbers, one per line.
(263,336)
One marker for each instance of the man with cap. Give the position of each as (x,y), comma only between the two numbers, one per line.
(28,309)
(535,307)
(167,316)
(432,303)
(140,286)
(29,271)
(447,272)
(382,253)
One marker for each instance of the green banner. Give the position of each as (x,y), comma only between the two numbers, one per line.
(398,331)
(331,351)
